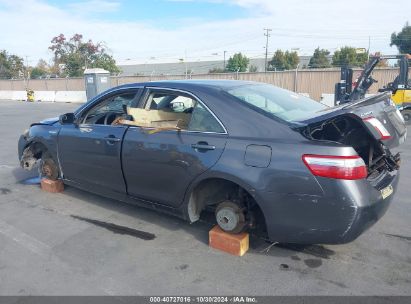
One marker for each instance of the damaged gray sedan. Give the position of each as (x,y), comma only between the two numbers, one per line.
(256,156)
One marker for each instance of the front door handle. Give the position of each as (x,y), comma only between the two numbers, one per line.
(111,139)
(202,145)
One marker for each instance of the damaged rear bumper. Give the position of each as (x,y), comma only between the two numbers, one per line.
(344,212)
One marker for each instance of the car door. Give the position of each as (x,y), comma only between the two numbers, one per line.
(90,150)
(159,161)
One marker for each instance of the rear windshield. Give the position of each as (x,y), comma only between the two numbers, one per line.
(281,103)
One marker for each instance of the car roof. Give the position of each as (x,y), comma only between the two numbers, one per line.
(193,83)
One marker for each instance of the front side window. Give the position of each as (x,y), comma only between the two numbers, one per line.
(281,103)
(109,109)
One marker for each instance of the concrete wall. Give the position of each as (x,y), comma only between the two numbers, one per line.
(49,96)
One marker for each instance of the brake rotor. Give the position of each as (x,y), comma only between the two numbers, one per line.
(49,170)
(230,217)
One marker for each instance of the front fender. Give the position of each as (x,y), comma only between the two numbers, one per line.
(39,134)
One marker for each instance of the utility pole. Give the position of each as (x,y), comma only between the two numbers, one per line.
(369,45)
(224,61)
(26,73)
(267,35)
(185,61)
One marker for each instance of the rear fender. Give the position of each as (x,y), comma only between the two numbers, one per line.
(191,209)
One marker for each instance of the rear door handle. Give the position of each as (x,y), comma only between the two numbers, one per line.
(202,146)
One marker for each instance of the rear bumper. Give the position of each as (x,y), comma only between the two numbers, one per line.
(365,218)
(344,212)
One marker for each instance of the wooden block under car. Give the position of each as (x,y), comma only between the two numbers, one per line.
(53,186)
(235,244)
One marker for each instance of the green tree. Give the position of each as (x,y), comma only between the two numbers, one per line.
(107,62)
(349,56)
(17,68)
(36,73)
(319,60)
(283,61)
(76,55)
(253,69)
(238,62)
(292,60)
(277,62)
(40,70)
(11,66)
(4,65)
(402,40)
(75,64)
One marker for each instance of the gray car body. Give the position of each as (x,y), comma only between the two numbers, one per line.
(257,152)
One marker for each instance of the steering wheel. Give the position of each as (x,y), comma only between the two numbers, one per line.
(109,115)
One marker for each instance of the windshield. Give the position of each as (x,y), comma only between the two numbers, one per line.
(281,103)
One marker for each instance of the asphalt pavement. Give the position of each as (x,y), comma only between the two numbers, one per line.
(48,247)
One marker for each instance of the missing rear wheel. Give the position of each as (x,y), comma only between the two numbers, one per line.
(231,217)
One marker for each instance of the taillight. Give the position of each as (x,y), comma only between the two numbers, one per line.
(379,127)
(339,167)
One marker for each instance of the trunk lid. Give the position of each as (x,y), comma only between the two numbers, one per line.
(379,106)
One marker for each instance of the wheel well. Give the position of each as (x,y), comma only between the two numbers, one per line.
(215,190)
(31,154)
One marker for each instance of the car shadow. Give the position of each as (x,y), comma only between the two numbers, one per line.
(199,229)
(172,223)
(259,244)
(22,176)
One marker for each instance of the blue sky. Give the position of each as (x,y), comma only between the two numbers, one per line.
(163,13)
(167,30)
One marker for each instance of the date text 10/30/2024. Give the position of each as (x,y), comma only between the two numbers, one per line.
(206,299)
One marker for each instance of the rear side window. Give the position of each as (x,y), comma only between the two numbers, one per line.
(281,103)
(175,110)
(202,120)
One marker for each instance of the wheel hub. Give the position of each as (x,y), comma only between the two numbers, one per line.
(227,219)
(47,171)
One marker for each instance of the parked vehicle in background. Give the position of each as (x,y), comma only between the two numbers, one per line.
(256,155)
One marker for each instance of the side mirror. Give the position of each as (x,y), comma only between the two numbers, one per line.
(67,118)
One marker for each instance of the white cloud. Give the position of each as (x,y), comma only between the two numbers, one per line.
(29,25)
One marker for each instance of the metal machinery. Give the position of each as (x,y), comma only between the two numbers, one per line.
(346,91)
